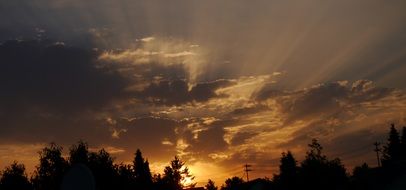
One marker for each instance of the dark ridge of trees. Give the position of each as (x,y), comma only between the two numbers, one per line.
(315,172)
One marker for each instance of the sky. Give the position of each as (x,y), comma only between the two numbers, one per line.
(219,83)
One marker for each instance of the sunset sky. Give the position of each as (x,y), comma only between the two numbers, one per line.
(220,83)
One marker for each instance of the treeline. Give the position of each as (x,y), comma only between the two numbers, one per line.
(51,172)
(315,172)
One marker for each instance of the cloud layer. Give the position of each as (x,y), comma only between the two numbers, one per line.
(220,83)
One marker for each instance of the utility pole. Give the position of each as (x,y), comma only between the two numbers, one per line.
(247,169)
(377,150)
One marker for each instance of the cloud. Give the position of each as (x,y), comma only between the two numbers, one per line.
(323,99)
(163,51)
(179,54)
(241,137)
(259,129)
(250,110)
(54,77)
(337,113)
(147,39)
(147,133)
(228,87)
(210,140)
(177,92)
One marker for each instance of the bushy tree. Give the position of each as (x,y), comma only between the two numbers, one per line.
(14,178)
(126,180)
(102,166)
(79,153)
(363,178)
(288,172)
(175,174)
(51,169)
(211,185)
(317,172)
(234,183)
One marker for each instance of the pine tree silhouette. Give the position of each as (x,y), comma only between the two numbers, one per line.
(391,153)
(142,172)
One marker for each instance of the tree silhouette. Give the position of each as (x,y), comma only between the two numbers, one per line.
(288,172)
(363,178)
(175,174)
(317,172)
(211,185)
(49,174)
(126,180)
(314,152)
(234,183)
(79,153)
(392,148)
(403,144)
(103,169)
(142,172)
(15,178)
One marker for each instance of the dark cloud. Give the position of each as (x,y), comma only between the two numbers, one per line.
(365,91)
(177,92)
(148,133)
(249,110)
(344,41)
(241,137)
(54,92)
(54,77)
(343,145)
(33,126)
(210,140)
(153,70)
(323,99)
